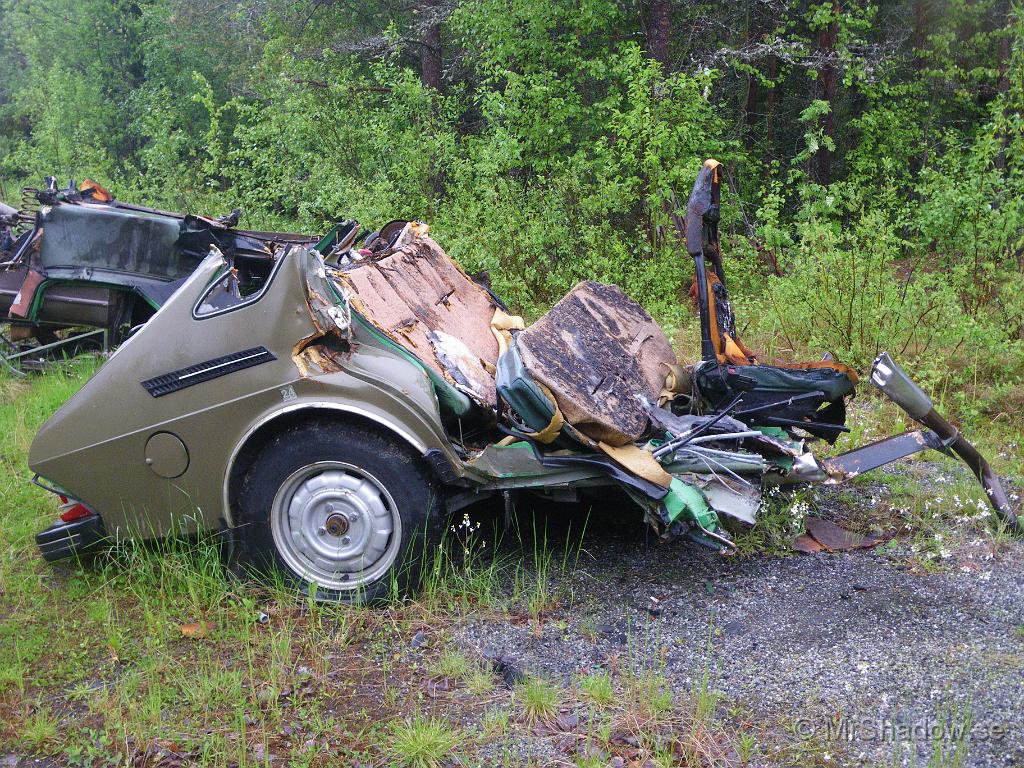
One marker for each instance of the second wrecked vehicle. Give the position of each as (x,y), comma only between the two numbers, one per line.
(330,419)
(79,270)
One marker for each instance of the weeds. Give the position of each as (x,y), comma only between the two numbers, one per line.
(480,682)
(462,572)
(540,599)
(103,637)
(705,700)
(495,722)
(948,741)
(39,730)
(780,519)
(453,664)
(597,688)
(421,742)
(538,698)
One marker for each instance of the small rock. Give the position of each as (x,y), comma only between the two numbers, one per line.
(504,667)
(418,640)
(591,752)
(733,628)
(613,634)
(540,728)
(567,721)
(509,672)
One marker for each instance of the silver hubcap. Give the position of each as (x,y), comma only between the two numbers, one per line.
(336,525)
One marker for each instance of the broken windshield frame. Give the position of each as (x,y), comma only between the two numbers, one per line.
(231,297)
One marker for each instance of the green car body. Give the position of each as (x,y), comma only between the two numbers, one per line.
(304,429)
(153,466)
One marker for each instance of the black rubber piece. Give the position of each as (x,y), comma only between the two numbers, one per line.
(166,383)
(413,486)
(63,540)
(439,463)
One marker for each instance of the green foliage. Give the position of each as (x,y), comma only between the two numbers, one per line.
(538,698)
(854,287)
(422,742)
(549,153)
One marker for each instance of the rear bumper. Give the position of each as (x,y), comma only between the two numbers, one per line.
(62,539)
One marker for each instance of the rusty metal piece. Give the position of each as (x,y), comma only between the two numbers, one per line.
(835,539)
(26,294)
(807,544)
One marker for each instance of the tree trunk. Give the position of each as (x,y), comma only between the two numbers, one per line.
(769,107)
(755,31)
(919,39)
(659,29)
(821,163)
(430,49)
(920,34)
(750,111)
(1003,87)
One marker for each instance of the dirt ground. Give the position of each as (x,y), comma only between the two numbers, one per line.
(856,658)
(602,650)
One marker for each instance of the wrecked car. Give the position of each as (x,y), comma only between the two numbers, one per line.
(79,270)
(330,418)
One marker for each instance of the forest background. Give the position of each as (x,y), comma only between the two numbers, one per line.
(874,152)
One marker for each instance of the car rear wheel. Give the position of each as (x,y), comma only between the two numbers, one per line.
(341,508)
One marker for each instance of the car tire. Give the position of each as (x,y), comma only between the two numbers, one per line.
(341,510)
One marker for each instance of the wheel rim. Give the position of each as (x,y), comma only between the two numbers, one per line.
(336,525)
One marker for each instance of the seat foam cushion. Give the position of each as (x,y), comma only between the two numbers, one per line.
(423,301)
(597,350)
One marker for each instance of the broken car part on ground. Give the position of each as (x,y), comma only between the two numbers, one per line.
(329,416)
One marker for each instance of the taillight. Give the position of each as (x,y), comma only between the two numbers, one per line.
(74,510)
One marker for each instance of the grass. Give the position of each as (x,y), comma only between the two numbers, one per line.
(538,699)
(932,509)
(422,742)
(597,688)
(946,746)
(40,730)
(454,664)
(95,668)
(270,674)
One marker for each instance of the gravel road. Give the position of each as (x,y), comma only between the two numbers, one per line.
(848,652)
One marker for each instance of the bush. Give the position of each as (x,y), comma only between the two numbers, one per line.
(852,286)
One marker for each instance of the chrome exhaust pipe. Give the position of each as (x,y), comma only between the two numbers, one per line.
(894,382)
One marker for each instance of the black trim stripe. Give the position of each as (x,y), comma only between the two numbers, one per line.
(166,383)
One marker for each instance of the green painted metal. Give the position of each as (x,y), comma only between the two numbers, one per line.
(324,243)
(686,501)
(449,398)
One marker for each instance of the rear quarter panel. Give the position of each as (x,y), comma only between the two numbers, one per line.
(94,446)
